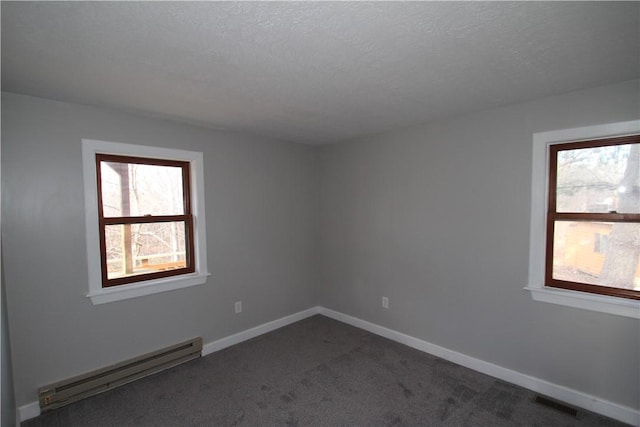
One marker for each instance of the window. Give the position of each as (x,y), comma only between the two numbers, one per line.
(585,214)
(594,189)
(146,226)
(144,219)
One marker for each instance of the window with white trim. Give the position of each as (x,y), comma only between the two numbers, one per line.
(585,218)
(145,219)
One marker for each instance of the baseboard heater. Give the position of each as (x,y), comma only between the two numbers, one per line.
(82,386)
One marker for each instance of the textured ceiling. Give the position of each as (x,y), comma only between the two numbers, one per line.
(314,72)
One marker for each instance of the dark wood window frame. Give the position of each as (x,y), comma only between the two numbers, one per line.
(186,218)
(553,216)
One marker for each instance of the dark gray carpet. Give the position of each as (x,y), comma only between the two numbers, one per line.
(316,372)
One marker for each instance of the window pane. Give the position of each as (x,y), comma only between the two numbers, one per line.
(597,253)
(134,249)
(131,189)
(599,179)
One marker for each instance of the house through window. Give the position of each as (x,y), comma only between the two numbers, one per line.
(593,217)
(600,243)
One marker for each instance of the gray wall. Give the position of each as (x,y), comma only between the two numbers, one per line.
(437,219)
(261,206)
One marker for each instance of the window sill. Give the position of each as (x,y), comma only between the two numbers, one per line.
(603,304)
(118,293)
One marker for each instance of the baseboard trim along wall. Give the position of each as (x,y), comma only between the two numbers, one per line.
(561,393)
(257,331)
(28,411)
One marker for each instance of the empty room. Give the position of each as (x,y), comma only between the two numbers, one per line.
(320,214)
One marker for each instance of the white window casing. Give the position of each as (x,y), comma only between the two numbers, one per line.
(539,192)
(97,293)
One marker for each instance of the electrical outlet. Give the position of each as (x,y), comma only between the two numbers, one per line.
(238,307)
(385,302)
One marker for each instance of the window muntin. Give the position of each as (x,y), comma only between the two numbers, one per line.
(145,219)
(594,191)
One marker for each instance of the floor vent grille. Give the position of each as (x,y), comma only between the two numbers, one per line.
(556,405)
(82,386)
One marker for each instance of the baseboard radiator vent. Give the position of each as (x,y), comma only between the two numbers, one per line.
(82,386)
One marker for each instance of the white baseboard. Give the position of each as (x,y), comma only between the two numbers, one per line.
(564,394)
(28,411)
(257,331)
